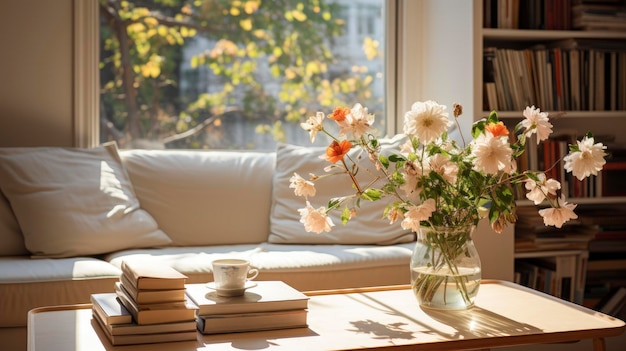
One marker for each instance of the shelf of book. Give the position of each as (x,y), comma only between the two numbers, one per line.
(605,265)
(540,34)
(572,64)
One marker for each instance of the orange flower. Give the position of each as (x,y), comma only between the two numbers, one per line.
(337,150)
(497,129)
(339,113)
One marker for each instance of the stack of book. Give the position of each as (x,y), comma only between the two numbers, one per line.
(149,305)
(269,305)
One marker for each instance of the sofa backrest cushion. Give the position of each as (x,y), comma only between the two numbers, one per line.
(205,197)
(369,226)
(75,201)
(10,233)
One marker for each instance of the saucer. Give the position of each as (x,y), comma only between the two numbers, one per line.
(231,292)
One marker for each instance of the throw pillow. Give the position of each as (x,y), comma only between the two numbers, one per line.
(75,201)
(368,227)
(10,234)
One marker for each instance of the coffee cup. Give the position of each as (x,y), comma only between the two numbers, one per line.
(232,274)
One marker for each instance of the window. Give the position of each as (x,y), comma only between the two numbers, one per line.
(216,74)
(403,20)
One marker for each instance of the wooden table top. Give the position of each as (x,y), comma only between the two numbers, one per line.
(505,314)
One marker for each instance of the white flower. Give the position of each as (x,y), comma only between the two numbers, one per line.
(442,165)
(491,154)
(315,220)
(426,120)
(536,121)
(358,122)
(393,214)
(416,214)
(406,147)
(538,190)
(558,215)
(412,174)
(301,186)
(313,125)
(587,160)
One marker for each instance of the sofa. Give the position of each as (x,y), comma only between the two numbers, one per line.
(70,216)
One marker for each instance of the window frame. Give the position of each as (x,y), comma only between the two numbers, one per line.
(402,17)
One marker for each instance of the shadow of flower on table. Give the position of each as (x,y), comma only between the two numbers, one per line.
(382,331)
(478,322)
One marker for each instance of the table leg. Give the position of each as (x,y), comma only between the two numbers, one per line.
(599,344)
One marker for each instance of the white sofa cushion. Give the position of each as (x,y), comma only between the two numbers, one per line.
(75,202)
(369,226)
(10,233)
(204,197)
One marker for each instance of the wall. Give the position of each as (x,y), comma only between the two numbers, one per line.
(36,106)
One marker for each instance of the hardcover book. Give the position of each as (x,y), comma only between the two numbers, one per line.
(133,339)
(121,288)
(165,314)
(153,276)
(232,323)
(152,296)
(265,297)
(136,329)
(110,309)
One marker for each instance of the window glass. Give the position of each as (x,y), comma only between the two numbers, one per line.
(224,74)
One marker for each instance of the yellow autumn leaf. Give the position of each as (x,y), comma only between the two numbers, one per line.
(246,24)
(162,30)
(151,21)
(311,68)
(251,6)
(299,15)
(290,73)
(277,51)
(370,48)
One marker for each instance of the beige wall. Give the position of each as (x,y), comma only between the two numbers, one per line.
(36,60)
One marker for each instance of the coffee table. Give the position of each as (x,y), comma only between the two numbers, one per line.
(505,314)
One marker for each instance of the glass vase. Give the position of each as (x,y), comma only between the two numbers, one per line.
(445,268)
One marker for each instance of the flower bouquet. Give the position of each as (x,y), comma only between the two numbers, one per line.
(435,185)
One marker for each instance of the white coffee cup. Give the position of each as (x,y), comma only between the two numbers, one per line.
(232,273)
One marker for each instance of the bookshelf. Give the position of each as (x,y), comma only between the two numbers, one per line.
(603,110)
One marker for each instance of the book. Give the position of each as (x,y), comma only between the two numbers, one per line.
(233,323)
(151,296)
(135,329)
(157,313)
(122,288)
(266,296)
(134,339)
(615,302)
(110,309)
(151,276)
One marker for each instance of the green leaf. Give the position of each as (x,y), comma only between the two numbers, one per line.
(384,161)
(493,117)
(396,158)
(372,194)
(345,215)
